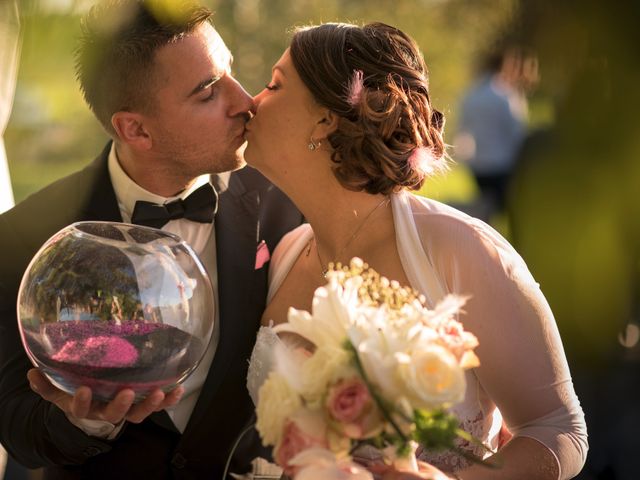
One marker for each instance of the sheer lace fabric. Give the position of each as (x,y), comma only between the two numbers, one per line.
(523,380)
(261,362)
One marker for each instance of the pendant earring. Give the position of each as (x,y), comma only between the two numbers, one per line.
(313,145)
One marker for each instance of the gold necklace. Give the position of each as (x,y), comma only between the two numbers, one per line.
(324,269)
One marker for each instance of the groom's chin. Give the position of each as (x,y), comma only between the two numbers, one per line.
(232,162)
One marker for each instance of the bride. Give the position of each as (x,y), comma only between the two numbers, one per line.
(346,129)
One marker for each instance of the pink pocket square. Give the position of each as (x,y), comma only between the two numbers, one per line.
(262,254)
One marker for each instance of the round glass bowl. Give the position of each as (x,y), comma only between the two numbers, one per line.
(112,305)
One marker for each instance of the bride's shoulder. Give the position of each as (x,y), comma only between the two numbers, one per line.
(291,238)
(290,244)
(297,232)
(451,232)
(432,217)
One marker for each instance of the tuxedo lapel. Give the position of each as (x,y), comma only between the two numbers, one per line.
(250,211)
(240,287)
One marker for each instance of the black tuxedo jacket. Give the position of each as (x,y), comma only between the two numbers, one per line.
(36,433)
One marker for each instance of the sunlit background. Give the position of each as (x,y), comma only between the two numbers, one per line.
(52,129)
(573,210)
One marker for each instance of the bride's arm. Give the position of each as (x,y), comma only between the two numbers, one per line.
(523,367)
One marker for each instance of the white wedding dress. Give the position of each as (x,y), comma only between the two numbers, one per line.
(523,380)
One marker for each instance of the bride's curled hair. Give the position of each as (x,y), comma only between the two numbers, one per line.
(374,78)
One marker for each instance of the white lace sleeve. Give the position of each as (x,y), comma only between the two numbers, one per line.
(262,360)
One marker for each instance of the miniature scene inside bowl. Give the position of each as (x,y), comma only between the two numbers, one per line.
(112,306)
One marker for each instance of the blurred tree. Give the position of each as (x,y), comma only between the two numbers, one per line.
(576,217)
(52,132)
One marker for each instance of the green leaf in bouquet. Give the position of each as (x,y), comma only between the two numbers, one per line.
(435,430)
(438,429)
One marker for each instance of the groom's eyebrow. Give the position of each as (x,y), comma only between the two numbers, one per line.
(205,84)
(211,80)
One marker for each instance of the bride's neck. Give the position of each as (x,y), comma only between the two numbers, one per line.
(336,214)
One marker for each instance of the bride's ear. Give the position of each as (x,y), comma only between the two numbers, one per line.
(326,125)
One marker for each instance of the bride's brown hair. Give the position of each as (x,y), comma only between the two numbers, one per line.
(374,78)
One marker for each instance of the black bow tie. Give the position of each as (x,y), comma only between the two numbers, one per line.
(200,206)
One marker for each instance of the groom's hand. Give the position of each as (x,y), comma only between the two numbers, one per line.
(81,406)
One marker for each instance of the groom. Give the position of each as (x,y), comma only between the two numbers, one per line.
(158,79)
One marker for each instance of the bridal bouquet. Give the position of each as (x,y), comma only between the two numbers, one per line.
(383,370)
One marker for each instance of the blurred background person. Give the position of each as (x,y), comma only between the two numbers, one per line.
(493,123)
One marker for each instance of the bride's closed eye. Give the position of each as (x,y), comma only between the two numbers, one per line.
(271,86)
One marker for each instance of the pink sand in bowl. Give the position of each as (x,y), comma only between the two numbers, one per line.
(101,351)
(108,356)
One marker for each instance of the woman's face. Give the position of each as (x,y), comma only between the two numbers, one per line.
(285,115)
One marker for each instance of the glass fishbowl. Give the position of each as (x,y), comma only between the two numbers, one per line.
(113,305)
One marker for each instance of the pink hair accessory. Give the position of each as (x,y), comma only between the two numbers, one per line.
(356,86)
(423,159)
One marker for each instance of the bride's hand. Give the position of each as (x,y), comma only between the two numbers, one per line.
(426,472)
(80,405)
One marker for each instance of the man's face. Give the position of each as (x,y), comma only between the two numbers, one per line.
(199,110)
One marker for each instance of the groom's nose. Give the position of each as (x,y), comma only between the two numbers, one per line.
(241,101)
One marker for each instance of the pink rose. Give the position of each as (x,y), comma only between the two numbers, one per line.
(302,431)
(351,405)
(459,342)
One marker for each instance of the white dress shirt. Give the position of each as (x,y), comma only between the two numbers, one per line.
(197,235)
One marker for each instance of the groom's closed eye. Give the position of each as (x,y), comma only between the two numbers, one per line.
(204,85)
(212,95)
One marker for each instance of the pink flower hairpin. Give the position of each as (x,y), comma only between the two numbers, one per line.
(422,158)
(356,86)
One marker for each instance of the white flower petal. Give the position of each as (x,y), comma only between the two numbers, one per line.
(277,402)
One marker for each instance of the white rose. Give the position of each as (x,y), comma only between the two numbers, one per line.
(277,402)
(431,377)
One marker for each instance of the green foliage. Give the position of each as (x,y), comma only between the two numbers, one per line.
(573,209)
(435,430)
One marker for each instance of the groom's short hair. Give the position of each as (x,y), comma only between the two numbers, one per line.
(115,56)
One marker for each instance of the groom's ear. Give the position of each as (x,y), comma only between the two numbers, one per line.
(130,128)
(327,124)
